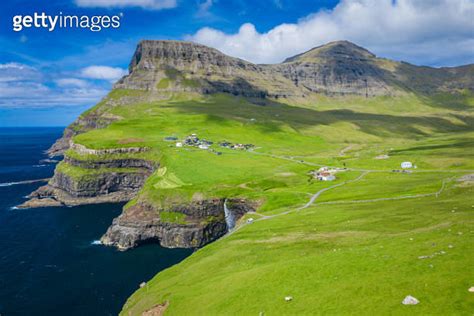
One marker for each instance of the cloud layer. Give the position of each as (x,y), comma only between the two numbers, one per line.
(26,86)
(103,72)
(434,32)
(145,4)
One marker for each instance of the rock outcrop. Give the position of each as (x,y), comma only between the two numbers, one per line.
(84,123)
(175,66)
(112,180)
(338,68)
(197,224)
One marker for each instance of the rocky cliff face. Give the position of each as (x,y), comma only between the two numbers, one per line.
(199,223)
(113,180)
(82,124)
(170,66)
(337,68)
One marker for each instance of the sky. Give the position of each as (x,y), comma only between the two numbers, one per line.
(47,78)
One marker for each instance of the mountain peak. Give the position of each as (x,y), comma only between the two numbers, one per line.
(336,50)
(172,52)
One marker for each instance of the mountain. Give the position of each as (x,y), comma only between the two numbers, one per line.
(338,68)
(202,145)
(335,68)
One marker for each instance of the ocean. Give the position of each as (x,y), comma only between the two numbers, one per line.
(50,263)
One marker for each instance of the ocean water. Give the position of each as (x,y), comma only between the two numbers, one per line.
(50,263)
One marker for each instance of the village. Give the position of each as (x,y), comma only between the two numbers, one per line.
(194,141)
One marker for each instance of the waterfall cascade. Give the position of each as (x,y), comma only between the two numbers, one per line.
(229,217)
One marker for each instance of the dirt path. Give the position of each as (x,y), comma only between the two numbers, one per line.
(317,194)
(346,149)
(436,194)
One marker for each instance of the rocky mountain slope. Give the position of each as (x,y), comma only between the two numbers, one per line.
(159,68)
(336,68)
(117,170)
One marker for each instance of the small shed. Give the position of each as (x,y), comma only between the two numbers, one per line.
(406,165)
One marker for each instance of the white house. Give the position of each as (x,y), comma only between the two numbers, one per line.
(406,165)
(328,178)
(179,144)
(203,146)
(325,176)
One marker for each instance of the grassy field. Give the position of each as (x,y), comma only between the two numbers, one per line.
(355,249)
(333,259)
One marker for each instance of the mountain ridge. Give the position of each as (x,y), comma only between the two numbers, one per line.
(336,68)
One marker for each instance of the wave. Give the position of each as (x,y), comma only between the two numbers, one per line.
(8,184)
(96,242)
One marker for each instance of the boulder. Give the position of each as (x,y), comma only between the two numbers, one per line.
(410,300)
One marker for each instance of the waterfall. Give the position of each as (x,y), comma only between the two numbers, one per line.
(229,217)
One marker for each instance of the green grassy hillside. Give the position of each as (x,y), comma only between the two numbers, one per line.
(349,246)
(357,258)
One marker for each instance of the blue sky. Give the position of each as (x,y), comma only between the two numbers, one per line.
(48,78)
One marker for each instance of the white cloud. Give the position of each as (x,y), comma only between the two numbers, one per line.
(103,73)
(71,82)
(11,72)
(435,32)
(26,86)
(33,95)
(23,89)
(145,4)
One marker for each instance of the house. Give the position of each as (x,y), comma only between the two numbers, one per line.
(325,176)
(406,165)
(179,144)
(203,146)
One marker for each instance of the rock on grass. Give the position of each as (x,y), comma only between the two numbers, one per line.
(410,300)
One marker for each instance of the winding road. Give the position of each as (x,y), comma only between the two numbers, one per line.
(364,172)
